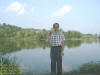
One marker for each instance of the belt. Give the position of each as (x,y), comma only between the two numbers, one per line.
(57,46)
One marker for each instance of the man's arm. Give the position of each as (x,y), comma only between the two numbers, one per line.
(47,38)
(63,41)
(62,49)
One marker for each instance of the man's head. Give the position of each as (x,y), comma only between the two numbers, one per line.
(56,26)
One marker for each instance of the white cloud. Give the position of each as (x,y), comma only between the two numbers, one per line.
(16,6)
(60,13)
(21,11)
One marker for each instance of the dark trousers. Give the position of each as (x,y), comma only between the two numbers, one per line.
(56,60)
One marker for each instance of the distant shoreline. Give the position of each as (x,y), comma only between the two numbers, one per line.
(44,39)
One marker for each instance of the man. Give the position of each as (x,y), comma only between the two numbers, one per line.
(56,40)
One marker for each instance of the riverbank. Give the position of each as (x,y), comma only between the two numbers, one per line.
(30,38)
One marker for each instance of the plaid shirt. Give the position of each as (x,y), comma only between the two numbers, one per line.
(56,39)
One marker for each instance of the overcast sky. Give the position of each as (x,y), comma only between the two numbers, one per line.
(80,15)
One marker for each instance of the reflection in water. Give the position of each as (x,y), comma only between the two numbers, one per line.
(8,46)
(35,54)
(66,68)
(73,43)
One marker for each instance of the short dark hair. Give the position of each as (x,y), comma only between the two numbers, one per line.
(55,24)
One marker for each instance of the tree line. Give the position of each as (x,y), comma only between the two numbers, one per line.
(13,31)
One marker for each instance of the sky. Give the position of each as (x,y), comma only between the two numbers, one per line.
(79,15)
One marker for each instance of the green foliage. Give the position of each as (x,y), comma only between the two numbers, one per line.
(90,67)
(12,31)
(86,69)
(73,34)
(7,30)
(5,68)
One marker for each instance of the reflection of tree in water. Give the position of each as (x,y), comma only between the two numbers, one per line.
(73,43)
(8,46)
(77,43)
(99,41)
(91,41)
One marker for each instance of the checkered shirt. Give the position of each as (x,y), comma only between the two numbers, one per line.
(56,39)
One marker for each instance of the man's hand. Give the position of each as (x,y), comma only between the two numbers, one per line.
(62,49)
(46,40)
(62,53)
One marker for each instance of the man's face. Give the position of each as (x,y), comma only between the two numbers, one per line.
(56,27)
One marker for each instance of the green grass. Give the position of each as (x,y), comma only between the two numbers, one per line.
(7,61)
(86,69)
